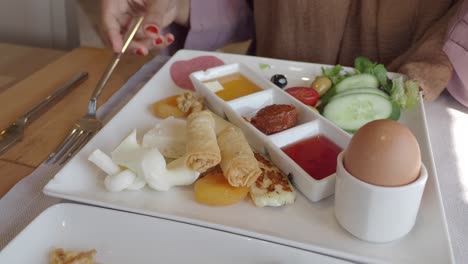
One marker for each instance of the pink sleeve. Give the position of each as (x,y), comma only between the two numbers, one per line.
(214,23)
(456,48)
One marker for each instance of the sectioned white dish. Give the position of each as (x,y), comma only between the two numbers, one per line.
(304,224)
(120,237)
(309,123)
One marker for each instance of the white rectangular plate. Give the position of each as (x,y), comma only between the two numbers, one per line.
(120,237)
(304,224)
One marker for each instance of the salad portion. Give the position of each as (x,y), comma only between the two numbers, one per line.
(351,99)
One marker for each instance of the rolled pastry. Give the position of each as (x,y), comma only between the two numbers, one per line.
(237,159)
(202,146)
(220,123)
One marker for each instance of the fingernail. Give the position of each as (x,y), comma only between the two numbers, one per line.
(169,39)
(152,29)
(158,41)
(140,52)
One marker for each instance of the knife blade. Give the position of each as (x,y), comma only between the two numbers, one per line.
(14,133)
(9,137)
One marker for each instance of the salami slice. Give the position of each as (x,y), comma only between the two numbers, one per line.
(180,70)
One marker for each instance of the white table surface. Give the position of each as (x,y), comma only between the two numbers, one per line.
(448,128)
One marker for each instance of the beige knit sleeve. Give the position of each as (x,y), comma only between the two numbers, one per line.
(425,61)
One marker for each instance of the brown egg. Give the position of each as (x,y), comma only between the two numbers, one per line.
(383,153)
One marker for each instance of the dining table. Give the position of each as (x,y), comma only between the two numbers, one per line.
(29,74)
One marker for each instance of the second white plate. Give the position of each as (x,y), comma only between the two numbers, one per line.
(120,237)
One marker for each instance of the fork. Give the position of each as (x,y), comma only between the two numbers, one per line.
(88,125)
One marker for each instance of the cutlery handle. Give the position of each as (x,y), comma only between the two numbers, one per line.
(52,98)
(110,69)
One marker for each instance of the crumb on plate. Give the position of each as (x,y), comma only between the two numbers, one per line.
(60,256)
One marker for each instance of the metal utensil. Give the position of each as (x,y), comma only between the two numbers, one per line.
(85,127)
(15,131)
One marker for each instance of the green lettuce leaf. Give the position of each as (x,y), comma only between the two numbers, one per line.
(404,94)
(397,93)
(380,72)
(363,65)
(412,93)
(264,66)
(334,73)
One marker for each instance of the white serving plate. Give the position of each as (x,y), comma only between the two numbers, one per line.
(304,224)
(120,237)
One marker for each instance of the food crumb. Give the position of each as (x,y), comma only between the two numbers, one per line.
(60,256)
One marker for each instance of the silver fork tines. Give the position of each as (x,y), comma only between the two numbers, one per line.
(85,128)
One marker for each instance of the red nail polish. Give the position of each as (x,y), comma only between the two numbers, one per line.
(152,29)
(158,41)
(169,40)
(140,52)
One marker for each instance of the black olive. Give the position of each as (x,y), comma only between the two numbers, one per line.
(279,80)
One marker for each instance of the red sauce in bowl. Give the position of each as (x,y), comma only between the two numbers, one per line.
(316,155)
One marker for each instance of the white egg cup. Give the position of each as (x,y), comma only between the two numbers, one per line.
(375,213)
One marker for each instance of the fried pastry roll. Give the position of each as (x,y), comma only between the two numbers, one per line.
(237,159)
(202,147)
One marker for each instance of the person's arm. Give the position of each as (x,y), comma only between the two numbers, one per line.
(456,48)
(426,61)
(213,24)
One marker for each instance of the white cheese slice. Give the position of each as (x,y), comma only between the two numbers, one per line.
(138,183)
(179,174)
(119,181)
(128,153)
(153,169)
(116,179)
(150,166)
(169,136)
(162,178)
(104,162)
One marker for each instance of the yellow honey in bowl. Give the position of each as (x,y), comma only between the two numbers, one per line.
(236,85)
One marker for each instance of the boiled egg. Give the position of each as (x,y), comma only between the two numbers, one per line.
(383,153)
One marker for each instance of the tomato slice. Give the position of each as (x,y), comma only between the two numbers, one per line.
(306,95)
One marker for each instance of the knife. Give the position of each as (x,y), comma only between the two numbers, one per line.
(15,131)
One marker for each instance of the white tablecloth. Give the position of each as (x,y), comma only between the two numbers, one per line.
(448,129)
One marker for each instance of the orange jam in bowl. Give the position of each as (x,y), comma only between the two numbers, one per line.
(236,85)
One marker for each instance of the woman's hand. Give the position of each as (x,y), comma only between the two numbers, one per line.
(432,78)
(158,14)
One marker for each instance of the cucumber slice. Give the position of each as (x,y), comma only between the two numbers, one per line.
(357,81)
(362,91)
(350,112)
